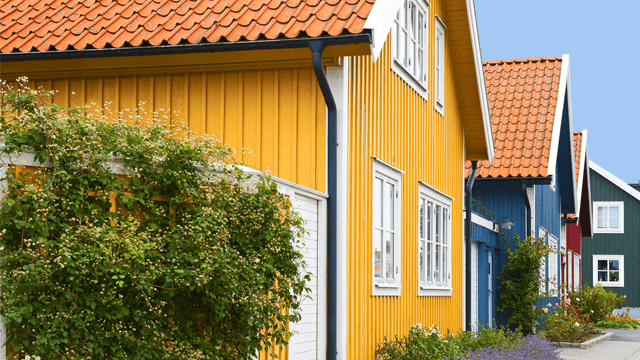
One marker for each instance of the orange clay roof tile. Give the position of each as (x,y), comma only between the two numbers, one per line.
(577,144)
(42,25)
(522,94)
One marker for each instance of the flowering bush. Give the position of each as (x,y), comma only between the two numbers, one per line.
(421,343)
(177,259)
(597,301)
(622,321)
(531,347)
(487,343)
(565,322)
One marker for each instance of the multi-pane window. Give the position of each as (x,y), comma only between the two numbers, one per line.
(542,234)
(576,271)
(434,242)
(608,270)
(410,43)
(386,229)
(609,217)
(439,66)
(553,265)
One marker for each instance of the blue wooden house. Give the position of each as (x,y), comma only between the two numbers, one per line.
(530,184)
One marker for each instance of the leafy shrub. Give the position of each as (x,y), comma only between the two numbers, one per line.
(531,348)
(421,343)
(429,344)
(565,322)
(180,259)
(596,301)
(521,281)
(486,337)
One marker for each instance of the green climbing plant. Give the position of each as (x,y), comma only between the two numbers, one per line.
(176,255)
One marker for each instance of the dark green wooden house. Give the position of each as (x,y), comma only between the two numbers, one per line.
(612,257)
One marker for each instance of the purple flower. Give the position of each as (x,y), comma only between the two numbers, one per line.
(530,348)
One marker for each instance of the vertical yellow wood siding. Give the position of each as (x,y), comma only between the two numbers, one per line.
(390,121)
(274,118)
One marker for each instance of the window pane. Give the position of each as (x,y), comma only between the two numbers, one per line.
(445,225)
(429,216)
(377,256)
(438,222)
(602,264)
(436,275)
(614,276)
(377,202)
(614,223)
(614,265)
(601,222)
(445,268)
(602,276)
(389,273)
(421,260)
(614,212)
(429,255)
(390,206)
(422,223)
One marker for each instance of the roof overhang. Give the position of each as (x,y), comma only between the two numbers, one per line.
(583,209)
(564,91)
(615,180)
(462,29)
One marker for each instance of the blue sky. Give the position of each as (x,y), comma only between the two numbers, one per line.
(604,46)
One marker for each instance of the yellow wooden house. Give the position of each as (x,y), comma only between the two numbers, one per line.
(364,110)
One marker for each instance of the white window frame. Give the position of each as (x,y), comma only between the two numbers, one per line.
(552,277)
(427,285)
(403,66)
(542,233)
(608,204)
(576,271)
(620,259)
(389,175)
(439,64)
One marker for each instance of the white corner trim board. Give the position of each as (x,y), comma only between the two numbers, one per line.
(614,179)
(380,21)
(482,89)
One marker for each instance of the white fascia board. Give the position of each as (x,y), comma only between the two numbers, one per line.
(587,164)
(583,157)
(379,22)
(614,179)
(564,90)
(482,89)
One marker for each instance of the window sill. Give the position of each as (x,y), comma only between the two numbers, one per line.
(607,231)
(387,286)
(439,108)
(435,291)
(409,79)
(610,284)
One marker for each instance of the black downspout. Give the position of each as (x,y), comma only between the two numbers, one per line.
(332,188)
(467,260)
(527,204)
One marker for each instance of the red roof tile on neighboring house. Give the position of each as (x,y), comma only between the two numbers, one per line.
(42,25)
(523,94)
(577,144)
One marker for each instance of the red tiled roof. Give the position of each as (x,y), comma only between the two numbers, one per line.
(42,25)
(577,144)
(522,94)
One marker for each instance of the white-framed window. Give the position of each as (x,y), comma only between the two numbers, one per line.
(553,265)
(434,242)
(576,271)
(439,65)
(608,270)
(386,237)
(542,234)
(569,270)
(409,44)
(608,216)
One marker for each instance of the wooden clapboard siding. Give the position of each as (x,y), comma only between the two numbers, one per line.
(390,121)
(274,117)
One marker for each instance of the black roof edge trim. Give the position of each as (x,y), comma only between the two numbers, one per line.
(188,49)
(530,180)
